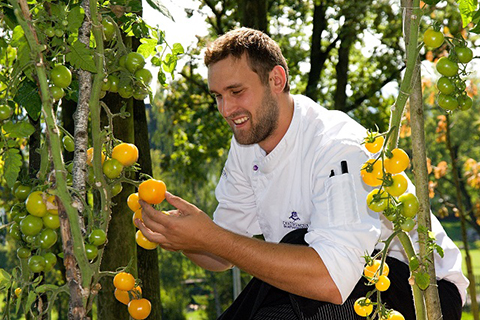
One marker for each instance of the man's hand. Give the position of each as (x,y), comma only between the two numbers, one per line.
(181,229)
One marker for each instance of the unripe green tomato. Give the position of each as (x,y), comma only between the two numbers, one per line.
(114,83)
(445,86)
(447,101)
(140,94)
(144,75)
(408,205)
(112,168)
(21,192)
(464,54)
(465,102)
(106,85)
(51,221)
(91,251)
(97,237)
(68,143)
(35,204)
(31,225)
(57,93)
(108,29)
(59,33)
(407,225)
(50,32)
(134,61)
(116,189)
(23,253)
(36,263)
(50,261)
(47,238)
(14,231)
(61,76)
(125,91)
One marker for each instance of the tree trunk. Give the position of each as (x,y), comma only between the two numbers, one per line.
(121,247)
(340,100)
(461,212)
(317,56)
(254,14)
(147,260)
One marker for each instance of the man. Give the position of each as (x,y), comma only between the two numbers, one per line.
(284,179)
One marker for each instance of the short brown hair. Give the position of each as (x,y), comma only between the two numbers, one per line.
(263,54)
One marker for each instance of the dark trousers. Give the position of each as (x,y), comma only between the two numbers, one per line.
(261,301)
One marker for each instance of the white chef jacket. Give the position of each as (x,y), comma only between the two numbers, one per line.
(292,187)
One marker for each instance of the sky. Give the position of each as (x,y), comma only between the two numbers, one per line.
(183,30)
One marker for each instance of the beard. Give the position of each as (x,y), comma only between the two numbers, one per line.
(265,123)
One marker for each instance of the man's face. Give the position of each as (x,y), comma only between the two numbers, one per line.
(245,103)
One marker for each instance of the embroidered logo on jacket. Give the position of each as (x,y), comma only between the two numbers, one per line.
(292,223)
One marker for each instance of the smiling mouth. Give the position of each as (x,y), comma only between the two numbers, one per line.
(240,121)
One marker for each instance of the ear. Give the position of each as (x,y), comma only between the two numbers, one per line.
(277,79)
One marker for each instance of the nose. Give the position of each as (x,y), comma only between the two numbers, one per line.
(226,107)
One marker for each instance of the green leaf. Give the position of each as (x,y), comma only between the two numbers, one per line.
(467,9)
(81,57)
(422,279)
(11,168)
(4,276)
(75,19)
(30,300)
(414,263)
(157,5)
(27,96)
(476,22)
(177,49)
(147,48)
(169,63)
(439,250)
(156,61)
(22,129)
(161,77)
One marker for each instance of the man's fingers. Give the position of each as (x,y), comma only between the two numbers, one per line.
(149,234)
(178,202)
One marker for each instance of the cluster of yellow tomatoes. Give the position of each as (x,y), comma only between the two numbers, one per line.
(386,173)
(151,191)
(128,292)
(376,272)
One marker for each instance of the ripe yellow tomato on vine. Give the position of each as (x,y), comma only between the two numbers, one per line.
(124,281)
(374,143)
(137,215)
(152,191)
(139,309)
(124,296)
(143,242)
(363,307)
(372,173)
(395,315)
(132,202)
(398,162)
(383,283)
(90,157)
(372,270)
(126,153)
